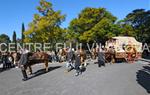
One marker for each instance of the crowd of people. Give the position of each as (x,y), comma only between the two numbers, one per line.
(77,59)
(6,60)
(74,59)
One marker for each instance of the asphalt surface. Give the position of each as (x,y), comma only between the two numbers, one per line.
(116,79)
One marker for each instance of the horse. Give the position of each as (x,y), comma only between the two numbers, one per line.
(110,55)
(83,57)
(62,54)
(94,53)
(16,56)
(32,59)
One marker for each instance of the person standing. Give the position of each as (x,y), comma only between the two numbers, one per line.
(0,58)
(69,59)
(4,59)
(23,63)
(77,62)
(112,54)
(53,54)
(8,60)
(101,57)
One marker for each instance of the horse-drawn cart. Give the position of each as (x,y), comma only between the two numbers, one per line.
(124,48)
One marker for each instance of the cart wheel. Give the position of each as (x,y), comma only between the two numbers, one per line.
(131,56)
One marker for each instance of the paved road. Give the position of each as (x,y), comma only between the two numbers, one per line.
(117,79)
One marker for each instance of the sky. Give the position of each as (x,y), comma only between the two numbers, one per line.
(15,12)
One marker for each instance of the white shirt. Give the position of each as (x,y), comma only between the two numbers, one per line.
(24,51)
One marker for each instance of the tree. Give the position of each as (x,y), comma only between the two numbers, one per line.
(92,25)
(15,40)
(4,38)
(23,30)
(45,26)
(125,29)
(139,19)
(14,37)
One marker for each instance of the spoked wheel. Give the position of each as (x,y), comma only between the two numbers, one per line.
(130,54)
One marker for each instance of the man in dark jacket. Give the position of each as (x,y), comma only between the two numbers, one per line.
(70,58)
(23,63)
(101,57)
(77,62)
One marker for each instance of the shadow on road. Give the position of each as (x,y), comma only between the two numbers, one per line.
(4,69)
(1,70)
(146,55)
(143,78)
(42,71)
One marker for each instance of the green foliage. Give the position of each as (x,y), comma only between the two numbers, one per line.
(92,25)
(139,19)
(4,38)
(98,25)
(23,30)
(14,40)
(125,29)
(45,26)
